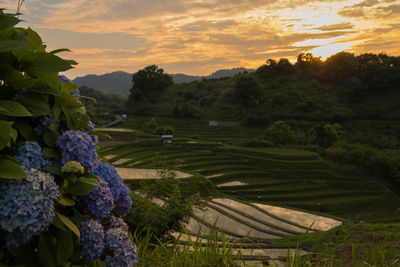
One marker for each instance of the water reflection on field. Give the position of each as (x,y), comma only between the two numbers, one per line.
(134,173)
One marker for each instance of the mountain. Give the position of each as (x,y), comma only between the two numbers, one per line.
(119,82)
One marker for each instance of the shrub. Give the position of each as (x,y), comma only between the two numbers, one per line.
(50,194)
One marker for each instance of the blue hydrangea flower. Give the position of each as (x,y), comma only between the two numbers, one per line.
(122,248)
(30,156)
(115,222)
(80,147)
(42,123)
(27,206)
(64,79)
(92,240)
(100,201)
(124,202)
(111,176)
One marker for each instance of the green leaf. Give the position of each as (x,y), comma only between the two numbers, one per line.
(14,109)
(57,223)
(25,130)
(68,223)
(53,170)
(66,201)
(5,133)
(60,50)
(68,101)
(65,246)
(51,153)
(46,251)
(50,137)
(45,62)
(76,118)
(9,169)
(35,104)
(7,21)
(83,186)
(10,45)
(34,39)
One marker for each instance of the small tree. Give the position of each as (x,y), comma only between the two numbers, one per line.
(280,133)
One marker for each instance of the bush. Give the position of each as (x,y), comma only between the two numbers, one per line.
(280,134)
(51,186)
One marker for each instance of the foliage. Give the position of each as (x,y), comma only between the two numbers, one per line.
(280,133)
(326,135)
(48,158)
(147,84)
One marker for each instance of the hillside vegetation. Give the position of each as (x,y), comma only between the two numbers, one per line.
(343,87)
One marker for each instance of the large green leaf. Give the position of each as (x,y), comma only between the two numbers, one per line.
(35,40)
(83,186)
(65,246)
(10,45)
(66,201)
(45,62)
(76,118)
(25,130)
(69,224)
(50,137)
(5,133)
(9,169)
(35,104)
(68,101)
(46,251)
(14,109)
(7,21)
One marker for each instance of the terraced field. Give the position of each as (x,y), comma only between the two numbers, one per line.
(285,177)
(255,185)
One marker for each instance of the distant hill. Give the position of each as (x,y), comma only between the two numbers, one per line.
(119,82)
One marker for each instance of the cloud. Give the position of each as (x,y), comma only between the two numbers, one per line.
(335,27)
(200,36)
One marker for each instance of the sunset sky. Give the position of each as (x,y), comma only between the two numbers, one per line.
(199,37)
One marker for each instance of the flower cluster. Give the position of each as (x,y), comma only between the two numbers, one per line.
(100,201)
(124,202)
(121,247)
(92,240)
(90,126)
(79,146)
(27,206)
(111,176)
(30,156)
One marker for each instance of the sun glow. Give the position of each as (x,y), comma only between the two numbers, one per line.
(327,50)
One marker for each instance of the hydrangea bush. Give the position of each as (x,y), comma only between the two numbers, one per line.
(59,204)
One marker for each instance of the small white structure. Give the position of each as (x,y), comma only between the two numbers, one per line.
(124,116)
(167,138)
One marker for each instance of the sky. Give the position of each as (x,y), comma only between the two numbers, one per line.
(198,37)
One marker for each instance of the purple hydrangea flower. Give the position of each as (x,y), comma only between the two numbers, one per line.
(115,222)
(111,176)
(30,156)
(124,202)
(122,248)
(79,146)
(90,126)
(27,206)
(92,240)
(100,201)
